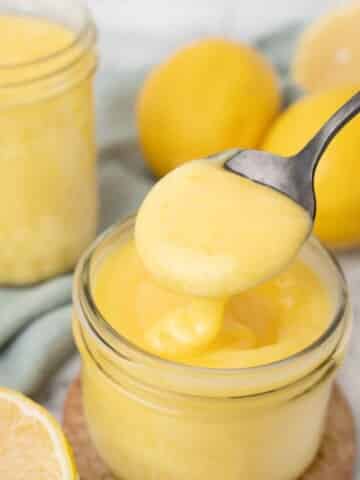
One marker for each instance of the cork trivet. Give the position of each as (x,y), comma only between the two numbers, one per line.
(335,460)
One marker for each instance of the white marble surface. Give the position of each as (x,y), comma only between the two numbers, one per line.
(134,34)
(162,16)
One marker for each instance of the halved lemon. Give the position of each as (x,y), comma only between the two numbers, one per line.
(32,445)
(328,52)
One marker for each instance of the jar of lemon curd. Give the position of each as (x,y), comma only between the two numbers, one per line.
(153,418)
(48,197)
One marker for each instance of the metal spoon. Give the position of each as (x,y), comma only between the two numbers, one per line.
(293,176)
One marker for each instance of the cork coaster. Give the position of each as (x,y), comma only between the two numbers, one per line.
(335,460)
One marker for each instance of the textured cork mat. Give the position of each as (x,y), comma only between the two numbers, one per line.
(335,460)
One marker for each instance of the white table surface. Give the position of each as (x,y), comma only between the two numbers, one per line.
(124,25)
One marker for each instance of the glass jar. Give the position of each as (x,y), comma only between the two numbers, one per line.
(48,209)
(152,418)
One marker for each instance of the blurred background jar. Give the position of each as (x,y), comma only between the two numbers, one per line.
(48,203)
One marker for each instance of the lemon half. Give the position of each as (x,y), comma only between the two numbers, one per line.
(32,445)
(328,52)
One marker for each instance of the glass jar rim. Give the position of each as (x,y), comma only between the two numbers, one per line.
(88,25)
(119,345)
(58,61)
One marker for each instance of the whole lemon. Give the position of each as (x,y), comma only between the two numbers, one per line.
(337,177)
(212,95)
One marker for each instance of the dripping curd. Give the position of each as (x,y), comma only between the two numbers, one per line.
(261,325)
(194,277)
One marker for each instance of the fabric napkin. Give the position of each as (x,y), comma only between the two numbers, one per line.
(35,322)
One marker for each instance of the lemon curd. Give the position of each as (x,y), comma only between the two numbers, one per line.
(48,180)
(209,337)
(179,386)
(201,230)
(259,326)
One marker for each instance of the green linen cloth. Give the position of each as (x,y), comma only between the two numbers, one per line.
(35,322)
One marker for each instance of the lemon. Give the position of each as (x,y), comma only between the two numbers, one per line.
(328,52)
(337,178)
(211,95)
(32,445)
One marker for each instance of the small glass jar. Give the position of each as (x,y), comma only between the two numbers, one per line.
(152,418)
(48,209)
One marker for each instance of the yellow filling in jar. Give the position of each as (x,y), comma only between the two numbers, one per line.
(169,394)
(264,324)
(48,179)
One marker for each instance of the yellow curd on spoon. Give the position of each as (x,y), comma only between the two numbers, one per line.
(205,231)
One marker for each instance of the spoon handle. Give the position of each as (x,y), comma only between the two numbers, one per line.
(312,152)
